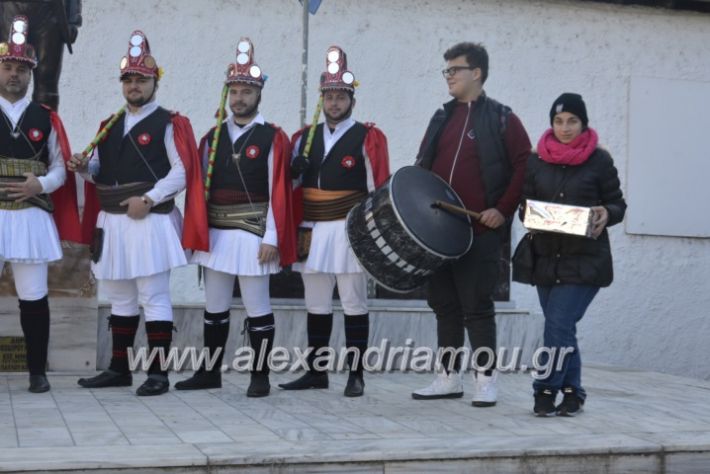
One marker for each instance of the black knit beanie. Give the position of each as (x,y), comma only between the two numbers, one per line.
(572,103)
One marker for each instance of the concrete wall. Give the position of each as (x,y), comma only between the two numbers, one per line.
(655,314)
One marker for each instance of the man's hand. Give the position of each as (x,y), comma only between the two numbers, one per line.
(299,165)
(268,253)
(492,218)
(599,221)
(24,190)
(78,163)
(137,208)
(73,33)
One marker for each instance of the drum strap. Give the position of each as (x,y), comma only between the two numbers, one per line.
(323,205)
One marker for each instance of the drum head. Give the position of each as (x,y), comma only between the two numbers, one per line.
(413,191)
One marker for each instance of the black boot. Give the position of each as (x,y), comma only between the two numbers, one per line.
(319,329)
(308,380)
(201,380)
(355,386)
(34,319)
(357,332)
(215,334)
(107,378)
(261,337)
(160,335)
(39,384)
(123,334)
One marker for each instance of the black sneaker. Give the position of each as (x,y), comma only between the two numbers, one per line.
(572,404)
(544,403)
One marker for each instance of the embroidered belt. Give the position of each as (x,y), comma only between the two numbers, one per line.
(110,197)
(248,217)
(323,205)
(12,171)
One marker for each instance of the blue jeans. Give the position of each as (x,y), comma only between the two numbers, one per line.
(563,306)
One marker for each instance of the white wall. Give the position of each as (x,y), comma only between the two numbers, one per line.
(656,313)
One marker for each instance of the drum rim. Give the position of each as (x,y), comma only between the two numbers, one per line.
(408,230)
(364,269)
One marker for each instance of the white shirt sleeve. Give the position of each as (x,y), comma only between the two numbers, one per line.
(296,182)
(270,235)
(175,181)
(370,176)
(56,174)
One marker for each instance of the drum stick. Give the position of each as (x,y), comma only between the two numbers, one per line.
(456,209)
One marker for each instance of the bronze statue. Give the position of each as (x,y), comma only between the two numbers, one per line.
(54,24)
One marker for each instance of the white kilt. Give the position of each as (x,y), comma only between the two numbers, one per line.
(138,248)
(28,236)
(330,251)
(234,251)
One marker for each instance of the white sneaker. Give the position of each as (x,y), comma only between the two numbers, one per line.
(444,386)
(485,392)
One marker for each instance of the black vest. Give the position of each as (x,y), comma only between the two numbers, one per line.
(34,127)
(255,146)
(343,169)
(119,158)
(490,119)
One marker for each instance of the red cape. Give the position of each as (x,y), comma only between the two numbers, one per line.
(195,235)
(376,150)
(281,194)
(66,210)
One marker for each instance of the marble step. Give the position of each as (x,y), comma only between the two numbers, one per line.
(401,324)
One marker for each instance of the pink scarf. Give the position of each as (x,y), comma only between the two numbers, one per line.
(573,153)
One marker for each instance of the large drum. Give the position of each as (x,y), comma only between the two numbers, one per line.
(398,234)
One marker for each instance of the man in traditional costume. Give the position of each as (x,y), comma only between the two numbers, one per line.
(346,161)
(37,199)
(146,155)
(252,234)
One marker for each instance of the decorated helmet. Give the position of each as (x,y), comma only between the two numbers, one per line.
(245,70)
(336,75)
(17,48)
(139,60)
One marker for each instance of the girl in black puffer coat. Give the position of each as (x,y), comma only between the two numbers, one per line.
(568,270)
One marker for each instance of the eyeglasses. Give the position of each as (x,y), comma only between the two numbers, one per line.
(451,71)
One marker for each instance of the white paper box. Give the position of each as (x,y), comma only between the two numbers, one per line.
(560,218)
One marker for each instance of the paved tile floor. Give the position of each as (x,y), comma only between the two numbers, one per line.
(634,422)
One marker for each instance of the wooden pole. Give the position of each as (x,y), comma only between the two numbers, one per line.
(304,64)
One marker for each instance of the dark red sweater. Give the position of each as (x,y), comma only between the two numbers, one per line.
(464,173)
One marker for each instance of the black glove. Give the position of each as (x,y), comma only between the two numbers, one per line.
(299,165)
(73,33)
